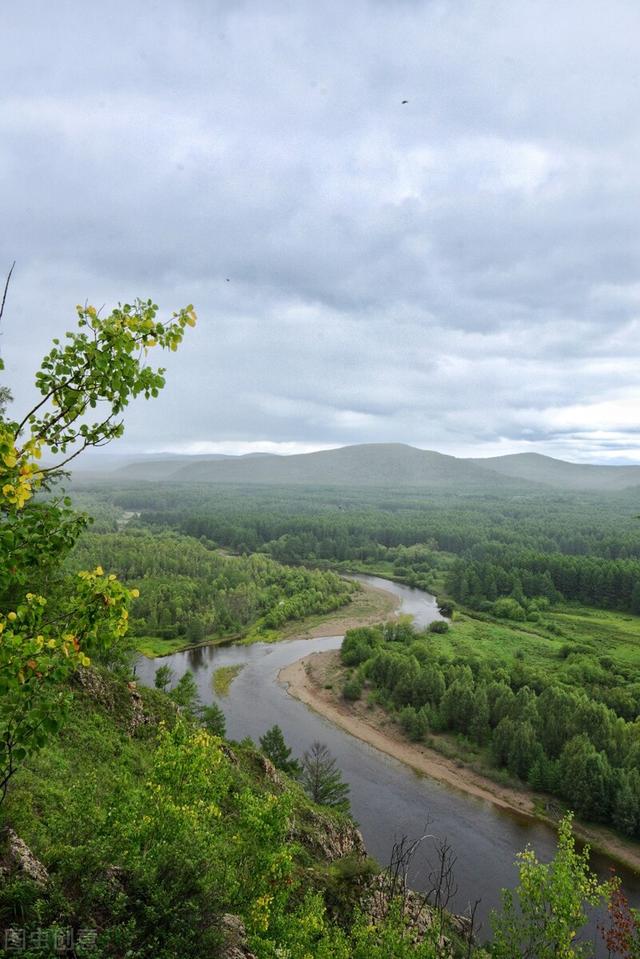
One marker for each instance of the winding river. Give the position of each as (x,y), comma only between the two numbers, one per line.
(388,799)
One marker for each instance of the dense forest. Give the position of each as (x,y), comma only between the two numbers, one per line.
(335,525)
(555,736)
(522,576)
(556,547)
(190,590)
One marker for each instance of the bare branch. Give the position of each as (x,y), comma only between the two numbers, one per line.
(6,287)
(471,929)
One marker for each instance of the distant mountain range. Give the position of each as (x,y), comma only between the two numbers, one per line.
(385,465)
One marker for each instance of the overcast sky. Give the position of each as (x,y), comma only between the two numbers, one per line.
(460,272)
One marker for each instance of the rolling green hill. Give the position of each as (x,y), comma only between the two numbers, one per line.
(535,468)
(384,465)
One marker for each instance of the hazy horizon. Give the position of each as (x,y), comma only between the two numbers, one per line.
(117,454)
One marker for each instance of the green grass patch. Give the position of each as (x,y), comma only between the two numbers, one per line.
(567,641)
(152,646)
(223,677)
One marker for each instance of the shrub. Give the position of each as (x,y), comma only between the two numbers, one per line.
(352,689)
(508,608)
(446,609)
(414,722)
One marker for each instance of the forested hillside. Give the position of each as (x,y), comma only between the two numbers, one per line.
(534,468)
(392,465)
(193,592)
(522,576)
(551,547)
(312,523)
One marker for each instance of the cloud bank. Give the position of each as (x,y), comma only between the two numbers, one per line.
(459,272)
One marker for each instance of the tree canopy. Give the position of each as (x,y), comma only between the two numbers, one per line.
(51,624)
(322,779)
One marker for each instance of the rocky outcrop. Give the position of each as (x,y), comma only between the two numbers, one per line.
(228,753)
(422,919)
(234,939)
(328,838)
(16,859)
(96,686)
(268,770)
(138,717)
(123,700)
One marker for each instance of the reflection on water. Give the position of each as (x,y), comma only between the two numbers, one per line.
(388,799)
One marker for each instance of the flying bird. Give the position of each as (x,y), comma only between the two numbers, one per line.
(405,101)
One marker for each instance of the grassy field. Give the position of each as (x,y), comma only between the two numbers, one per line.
(153,646)
(567,641)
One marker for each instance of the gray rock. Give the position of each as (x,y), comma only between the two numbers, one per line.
(228,753)
(422,920)
(234,935)
(138,717)
(16,859)
(269,771)
(328,838)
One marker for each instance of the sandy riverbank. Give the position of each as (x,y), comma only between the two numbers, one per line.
(369,606)
(306,680)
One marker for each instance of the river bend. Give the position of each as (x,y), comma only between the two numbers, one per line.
(388,799)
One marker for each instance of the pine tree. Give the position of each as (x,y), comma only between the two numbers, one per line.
(273,745)
(635,597)
(164,677)
(626,807)
(322,779)
(537,776)
(524,749)
(212,718)
(185,694)
(479,726)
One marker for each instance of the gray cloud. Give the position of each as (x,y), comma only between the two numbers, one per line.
(457,272)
